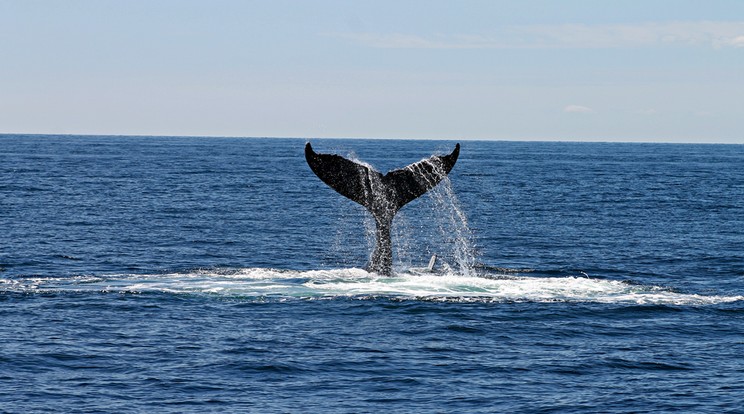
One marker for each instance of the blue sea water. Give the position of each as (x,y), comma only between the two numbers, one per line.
(175,274)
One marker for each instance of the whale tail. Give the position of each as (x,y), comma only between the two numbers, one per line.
(381,195)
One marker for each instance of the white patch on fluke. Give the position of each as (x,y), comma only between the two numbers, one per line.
(258,283)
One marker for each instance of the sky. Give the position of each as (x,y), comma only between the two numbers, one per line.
(647,70)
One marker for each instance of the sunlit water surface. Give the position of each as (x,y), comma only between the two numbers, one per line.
(153,274)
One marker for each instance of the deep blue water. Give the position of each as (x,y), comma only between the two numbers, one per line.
(173,274)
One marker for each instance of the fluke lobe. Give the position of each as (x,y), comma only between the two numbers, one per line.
(381,195)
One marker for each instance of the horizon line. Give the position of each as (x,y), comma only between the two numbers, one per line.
(555,140)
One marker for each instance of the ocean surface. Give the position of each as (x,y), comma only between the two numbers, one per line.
(178,274)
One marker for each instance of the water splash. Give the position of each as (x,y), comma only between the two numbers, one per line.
(448,216)
(260,284)
(453,227)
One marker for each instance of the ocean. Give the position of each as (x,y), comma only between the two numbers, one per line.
(187,274)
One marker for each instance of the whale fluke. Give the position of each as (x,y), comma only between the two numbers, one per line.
(381,195)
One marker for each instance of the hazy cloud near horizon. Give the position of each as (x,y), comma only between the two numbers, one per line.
(652,34)
(657,70)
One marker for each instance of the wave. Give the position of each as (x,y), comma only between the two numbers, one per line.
(262,283)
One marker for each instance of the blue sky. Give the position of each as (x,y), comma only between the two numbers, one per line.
(666,71)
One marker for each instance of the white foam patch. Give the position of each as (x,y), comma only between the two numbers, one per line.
(357,283)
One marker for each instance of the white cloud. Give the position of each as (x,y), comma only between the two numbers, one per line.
(655,34)
(409,41)
(737,41)
(578,109)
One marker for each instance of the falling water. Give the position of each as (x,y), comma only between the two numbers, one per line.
(443,218)
(446,213)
